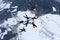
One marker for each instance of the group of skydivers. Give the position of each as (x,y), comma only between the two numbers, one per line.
(28,19)
(10,34)
(27,22)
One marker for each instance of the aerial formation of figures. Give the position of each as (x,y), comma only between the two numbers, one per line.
(33,8)
(8,31)
(27,22)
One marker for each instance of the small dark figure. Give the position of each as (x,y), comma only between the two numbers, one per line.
(19,22)
(34,18)
(26,23)
(23,30)
(26,17)
(27,20)
(33,25)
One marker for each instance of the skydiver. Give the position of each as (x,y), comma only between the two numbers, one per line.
(33,22)
(27,20)
(19,22)
(34,17)
(26,17)
(26,23)
(23,30)
(33,25)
